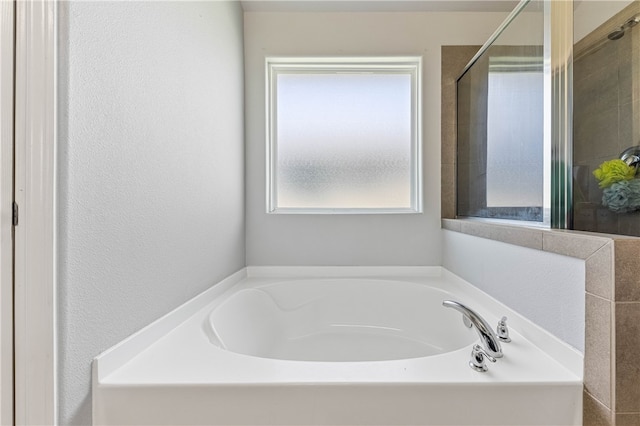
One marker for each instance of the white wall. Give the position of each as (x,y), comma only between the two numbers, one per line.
(546,288)
(150,167)
(350,239)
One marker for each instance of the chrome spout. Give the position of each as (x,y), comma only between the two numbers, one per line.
(489,341)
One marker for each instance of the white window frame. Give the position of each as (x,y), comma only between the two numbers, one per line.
(406,64)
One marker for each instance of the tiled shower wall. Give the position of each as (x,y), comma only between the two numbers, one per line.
(471,176)
(606,118)
(454,59)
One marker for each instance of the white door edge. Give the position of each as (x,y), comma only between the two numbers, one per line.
(7,14)
(35,148)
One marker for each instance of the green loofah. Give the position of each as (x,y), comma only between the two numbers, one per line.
(613,171)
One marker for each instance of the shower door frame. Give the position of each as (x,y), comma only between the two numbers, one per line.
(559,109)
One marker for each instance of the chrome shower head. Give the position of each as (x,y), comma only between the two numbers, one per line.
(617,34)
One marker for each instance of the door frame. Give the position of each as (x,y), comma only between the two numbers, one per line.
(35,399)
(7,45)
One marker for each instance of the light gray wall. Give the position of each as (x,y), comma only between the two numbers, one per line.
(546,288)
(350,239)
(150,167)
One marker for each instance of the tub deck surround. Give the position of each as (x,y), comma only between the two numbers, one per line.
(171,372)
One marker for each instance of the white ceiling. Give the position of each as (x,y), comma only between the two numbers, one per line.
(378,5)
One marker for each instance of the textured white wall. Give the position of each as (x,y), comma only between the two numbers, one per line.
(546,288)
(350,239)
(151,204)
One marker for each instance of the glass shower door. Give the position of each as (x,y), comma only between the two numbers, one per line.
(607,119)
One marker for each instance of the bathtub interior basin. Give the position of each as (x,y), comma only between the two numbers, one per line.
(338,320)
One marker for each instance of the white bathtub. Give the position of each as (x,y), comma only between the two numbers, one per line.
(328,346)
(339,319)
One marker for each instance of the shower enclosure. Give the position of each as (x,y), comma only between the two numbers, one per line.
(543,109)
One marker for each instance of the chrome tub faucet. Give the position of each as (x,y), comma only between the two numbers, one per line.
(490,342)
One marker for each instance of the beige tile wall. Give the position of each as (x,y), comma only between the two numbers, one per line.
(612,278)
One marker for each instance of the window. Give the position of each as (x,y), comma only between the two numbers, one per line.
(343,135)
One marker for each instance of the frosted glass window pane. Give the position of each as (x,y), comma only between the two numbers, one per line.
(515,152)
(344,140)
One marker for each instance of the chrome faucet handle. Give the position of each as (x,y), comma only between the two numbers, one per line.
(478,356)
(502,330)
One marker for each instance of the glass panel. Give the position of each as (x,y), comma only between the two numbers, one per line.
(344,140)
(606,116)
(501,137)
(514,152)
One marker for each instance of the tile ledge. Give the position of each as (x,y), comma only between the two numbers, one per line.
(527,236)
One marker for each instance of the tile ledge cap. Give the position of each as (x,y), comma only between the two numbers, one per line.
(455,225)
